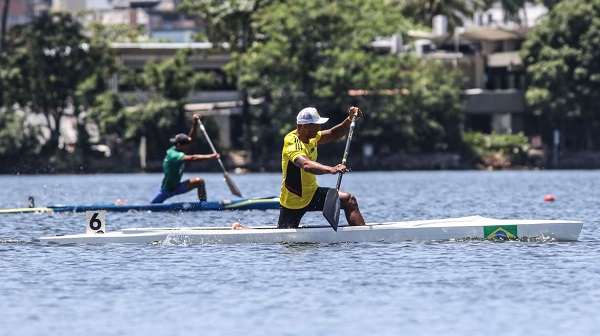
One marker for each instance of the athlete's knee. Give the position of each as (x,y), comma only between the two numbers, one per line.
(353,201)
(348,199)
(197,181)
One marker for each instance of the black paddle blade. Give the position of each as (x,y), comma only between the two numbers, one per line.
(331,209)
(232,187)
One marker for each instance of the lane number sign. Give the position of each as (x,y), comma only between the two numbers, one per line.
(95,221)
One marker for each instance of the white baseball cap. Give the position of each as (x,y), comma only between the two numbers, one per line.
(310,115)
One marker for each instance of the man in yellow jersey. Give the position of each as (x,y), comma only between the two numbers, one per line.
(299,190)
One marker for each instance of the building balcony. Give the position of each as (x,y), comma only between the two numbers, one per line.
(136,55)
(480,101)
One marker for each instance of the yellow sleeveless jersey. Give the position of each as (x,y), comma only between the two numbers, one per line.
(298,186)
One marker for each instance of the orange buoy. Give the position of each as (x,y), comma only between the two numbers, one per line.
(549,198)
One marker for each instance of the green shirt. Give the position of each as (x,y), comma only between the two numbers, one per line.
(173,167)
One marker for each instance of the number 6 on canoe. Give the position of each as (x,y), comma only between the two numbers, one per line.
(234,189)
(331,208)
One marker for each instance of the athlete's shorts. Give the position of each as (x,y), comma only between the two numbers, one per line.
(162,194)
(290,218)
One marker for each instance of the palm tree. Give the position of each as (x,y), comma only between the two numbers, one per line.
(513,7)
(423,11)
(511,10)
(548,3)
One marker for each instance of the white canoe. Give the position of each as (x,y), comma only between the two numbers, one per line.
(473,227)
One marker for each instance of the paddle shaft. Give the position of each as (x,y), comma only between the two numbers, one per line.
(331,208)
(346,150)
(211,144)
(232,187)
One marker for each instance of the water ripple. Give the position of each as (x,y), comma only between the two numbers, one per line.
(467,286)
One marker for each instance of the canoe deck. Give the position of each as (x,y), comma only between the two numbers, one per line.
(473,227)
(264,203)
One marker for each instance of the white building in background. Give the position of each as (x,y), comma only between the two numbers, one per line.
(73,5)
(486,49)
(159,17)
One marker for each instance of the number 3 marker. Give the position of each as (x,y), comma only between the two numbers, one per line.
(95,222)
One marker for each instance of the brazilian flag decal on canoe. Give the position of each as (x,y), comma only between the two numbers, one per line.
(500,232)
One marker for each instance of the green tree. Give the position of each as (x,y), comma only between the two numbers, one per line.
(116,32)
(107,109)
(17,137)
(562,61)
(316,52)
(423,11)
(53,69)
(297,60)
(512,8)
(424,111)
(19,146)
(230,25)
(549,3)
(167,85)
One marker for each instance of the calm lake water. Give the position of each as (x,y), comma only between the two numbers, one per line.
(411,288)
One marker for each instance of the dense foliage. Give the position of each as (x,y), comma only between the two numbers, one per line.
(158,111)
(563,65)
(498,151)
(287,55)
(319,53)
(51,69)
